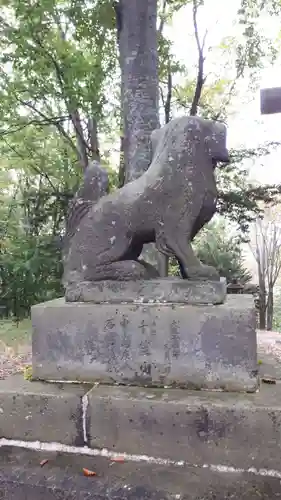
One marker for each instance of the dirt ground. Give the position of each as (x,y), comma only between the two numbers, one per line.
(15,346)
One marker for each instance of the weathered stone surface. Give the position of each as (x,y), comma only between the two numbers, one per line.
(167,205)
(162,290)
(22,478)
(154,345)
(234,430)
(39,411)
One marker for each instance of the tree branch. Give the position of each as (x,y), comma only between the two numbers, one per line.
(162,96)
(118,16)
(239,73)
(200,74)
(162,17)
(36,169)
(93,139)
(58,125)
(82,146)
(36,123)
(167,106)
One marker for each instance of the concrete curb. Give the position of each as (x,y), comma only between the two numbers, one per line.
(39,411)
(199,427)
(236,430)
(21,477)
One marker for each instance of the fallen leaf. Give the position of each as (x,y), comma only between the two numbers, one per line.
(268,380)
(89,473)
(43,462)
(120,460)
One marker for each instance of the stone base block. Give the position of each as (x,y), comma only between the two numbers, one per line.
(233,430)
(171,290)
(41,412)
(211,347)
(213,429)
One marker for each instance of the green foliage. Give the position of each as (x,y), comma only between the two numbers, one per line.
(244,54)
(30,261)
(216,247)
(33,205)
(238,199)
(240,55)
(214,97)
(57,59)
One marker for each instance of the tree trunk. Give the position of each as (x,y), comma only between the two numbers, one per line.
(137,40)
(262,309)
(93,139)
(164,265)
(139,79)
(262,290)
(81,143)
(121,179)
(269,309)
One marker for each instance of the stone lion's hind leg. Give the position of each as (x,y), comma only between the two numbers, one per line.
(124,270)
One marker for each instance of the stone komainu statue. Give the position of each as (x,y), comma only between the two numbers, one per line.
(167,205)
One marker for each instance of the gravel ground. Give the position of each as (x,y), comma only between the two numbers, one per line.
(269,354)
(270,343)
(269,346)
(11,362)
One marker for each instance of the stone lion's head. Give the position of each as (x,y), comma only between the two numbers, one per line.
(211,135)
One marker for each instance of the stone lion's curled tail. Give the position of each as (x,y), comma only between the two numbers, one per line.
(95,185)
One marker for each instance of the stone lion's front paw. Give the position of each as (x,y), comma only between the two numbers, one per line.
(203,272)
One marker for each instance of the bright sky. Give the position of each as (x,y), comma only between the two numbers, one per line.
(246,126)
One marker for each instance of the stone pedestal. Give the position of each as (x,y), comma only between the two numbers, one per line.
(170,443)
(157,291)
(156,344)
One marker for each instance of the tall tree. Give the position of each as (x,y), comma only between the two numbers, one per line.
(266,247)
(138,52)
(137,40)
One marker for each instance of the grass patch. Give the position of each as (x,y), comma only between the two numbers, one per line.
(14,334)
(27,373)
